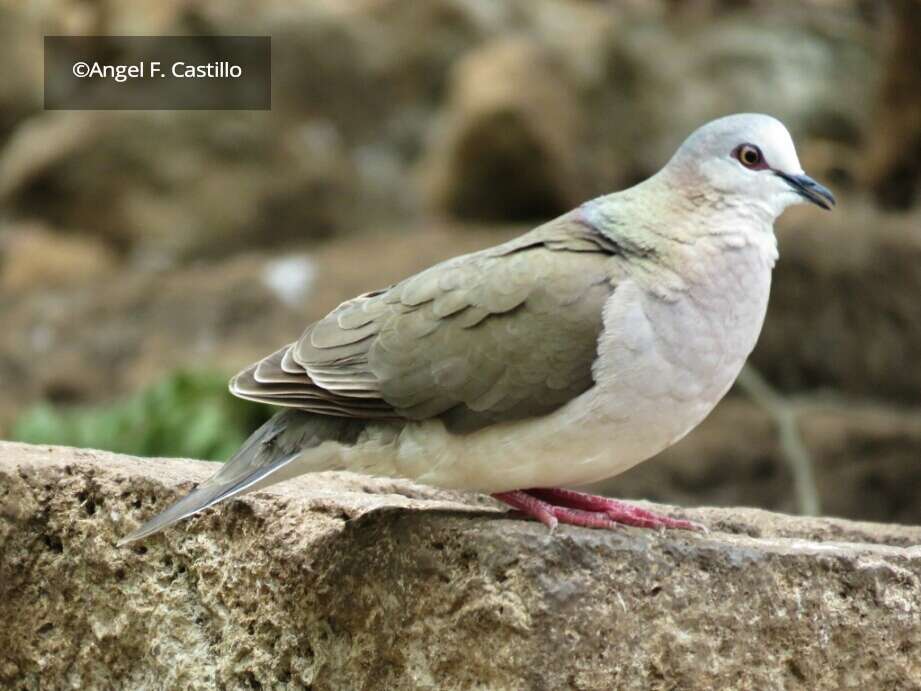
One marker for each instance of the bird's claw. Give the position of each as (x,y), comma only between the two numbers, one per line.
(554,506)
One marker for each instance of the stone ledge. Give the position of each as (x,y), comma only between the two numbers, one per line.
(342,582)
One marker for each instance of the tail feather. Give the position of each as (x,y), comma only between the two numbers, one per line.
(268,450)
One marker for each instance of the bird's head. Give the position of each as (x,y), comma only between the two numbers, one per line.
(748,159)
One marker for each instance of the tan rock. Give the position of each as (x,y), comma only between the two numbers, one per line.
(890,166)
(506,148)
(338,581)
(34,257)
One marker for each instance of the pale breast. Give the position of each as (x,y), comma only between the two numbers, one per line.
(664,361)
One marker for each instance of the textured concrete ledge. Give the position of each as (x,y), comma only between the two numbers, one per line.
(343,582)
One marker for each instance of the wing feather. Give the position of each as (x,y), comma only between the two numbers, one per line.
(507,332)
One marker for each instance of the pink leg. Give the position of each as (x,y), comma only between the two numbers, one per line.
(531,506)
(552,505)
(618,511)
(550,514)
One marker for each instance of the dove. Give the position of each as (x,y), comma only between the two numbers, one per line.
(560,358)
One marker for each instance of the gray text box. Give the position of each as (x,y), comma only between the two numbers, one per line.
(158,73)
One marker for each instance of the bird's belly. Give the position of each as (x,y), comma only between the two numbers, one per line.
(588,440)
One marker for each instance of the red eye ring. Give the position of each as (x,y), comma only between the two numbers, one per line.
(750,156)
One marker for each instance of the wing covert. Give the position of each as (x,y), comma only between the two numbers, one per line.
(505,333)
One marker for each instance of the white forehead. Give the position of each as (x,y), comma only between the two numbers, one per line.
(719,138)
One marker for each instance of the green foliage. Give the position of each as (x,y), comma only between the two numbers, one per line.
(188,415)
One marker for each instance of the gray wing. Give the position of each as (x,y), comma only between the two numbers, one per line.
(505,333)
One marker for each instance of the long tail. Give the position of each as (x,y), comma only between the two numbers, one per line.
(258,463)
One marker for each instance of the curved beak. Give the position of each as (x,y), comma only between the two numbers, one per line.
(809,189)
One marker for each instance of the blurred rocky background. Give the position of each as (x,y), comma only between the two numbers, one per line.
(144,256)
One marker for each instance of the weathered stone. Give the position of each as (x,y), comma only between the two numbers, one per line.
(33,257)
(891,164)
(338,581)
(508,142)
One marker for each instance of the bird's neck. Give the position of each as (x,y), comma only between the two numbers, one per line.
(659,215)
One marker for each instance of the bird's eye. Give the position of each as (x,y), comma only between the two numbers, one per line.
(749,156)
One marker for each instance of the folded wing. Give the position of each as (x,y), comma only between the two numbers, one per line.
(505,333)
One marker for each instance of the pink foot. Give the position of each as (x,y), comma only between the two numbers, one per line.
(553,506)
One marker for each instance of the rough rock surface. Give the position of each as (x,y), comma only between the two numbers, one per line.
(337,581)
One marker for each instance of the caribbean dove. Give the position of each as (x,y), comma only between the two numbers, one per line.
(560,358)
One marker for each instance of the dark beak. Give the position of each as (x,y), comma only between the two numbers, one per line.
(809,189)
